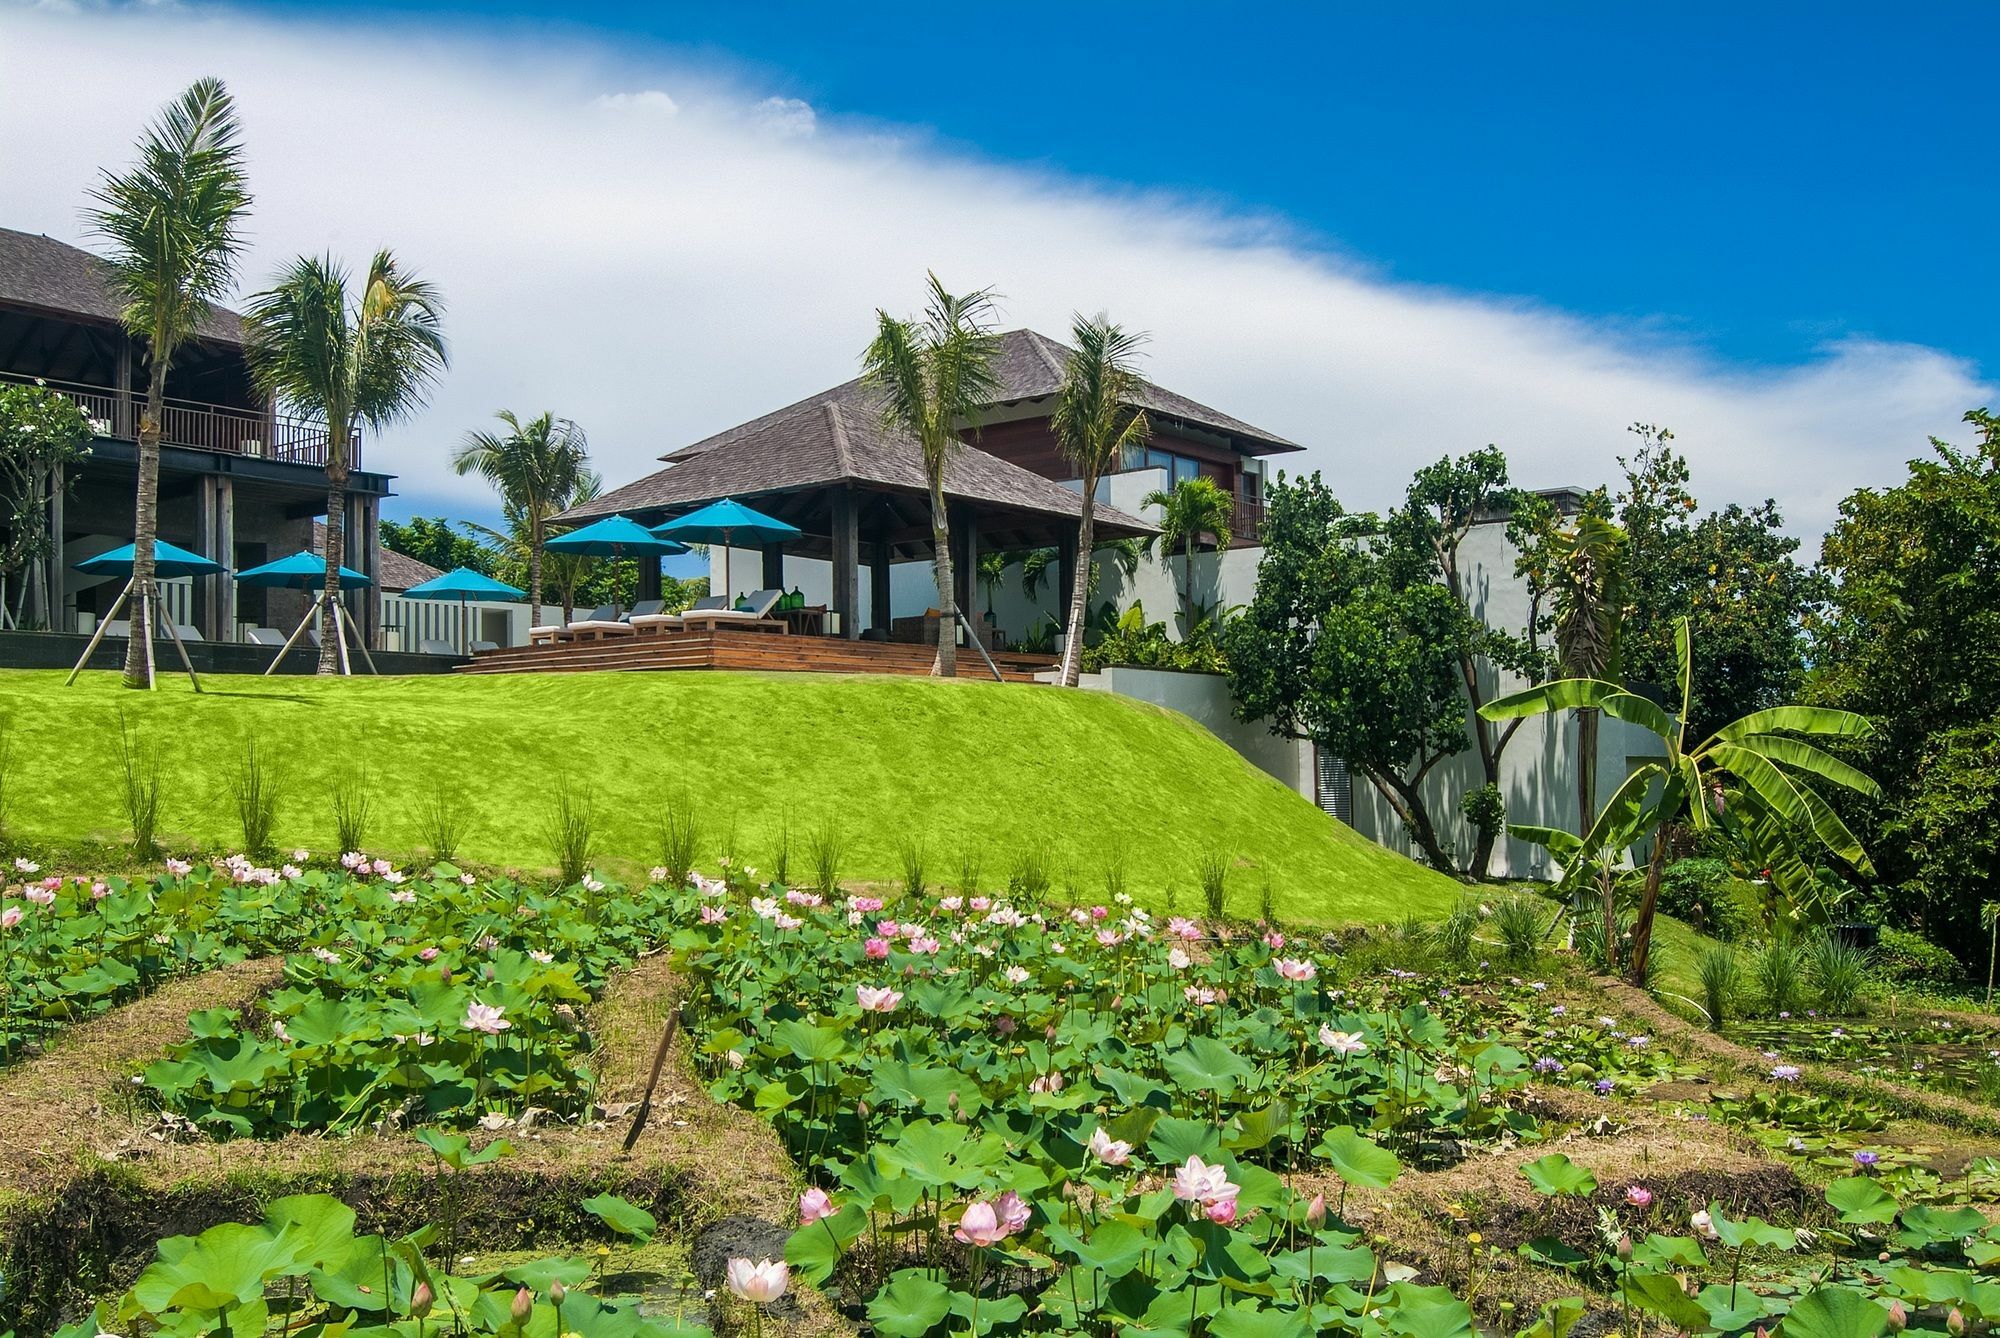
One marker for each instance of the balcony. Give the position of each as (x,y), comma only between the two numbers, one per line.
(202,427)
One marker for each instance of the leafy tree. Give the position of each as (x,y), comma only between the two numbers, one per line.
(1425,540)
(1191,508)
(345,357)
(172,222)
(432,539)
(1911,637)
(1755,765)
(1733,573)
(536,466)
(1351,647)
(935,373)
(42,433)
(1095,426)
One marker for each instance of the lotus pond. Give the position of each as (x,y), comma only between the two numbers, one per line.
(1941,1054)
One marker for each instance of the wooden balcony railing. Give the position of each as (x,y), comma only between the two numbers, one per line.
(202,427)
(1248,527)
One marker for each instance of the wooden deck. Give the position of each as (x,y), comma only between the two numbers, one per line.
(729,648)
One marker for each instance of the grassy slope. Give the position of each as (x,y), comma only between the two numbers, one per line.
(996,768)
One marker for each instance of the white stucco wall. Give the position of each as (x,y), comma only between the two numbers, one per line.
(1205,699)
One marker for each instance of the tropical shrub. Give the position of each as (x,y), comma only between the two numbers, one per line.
(1701,893)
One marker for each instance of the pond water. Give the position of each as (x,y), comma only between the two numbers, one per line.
(1935,1053)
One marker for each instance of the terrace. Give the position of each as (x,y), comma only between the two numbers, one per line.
(223,428)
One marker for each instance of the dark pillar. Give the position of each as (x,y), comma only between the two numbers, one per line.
(965,568)
(774,567)
(1065,577)
(649,578)
(878,587)
(59,614)
(225,553)
(846,564)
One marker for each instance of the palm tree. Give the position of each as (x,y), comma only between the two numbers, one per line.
(172,224)
(1094,425)
(1191,508)
(564,572)
(935,374)
(1588,573)
(536,466)
(1758,752)
(345,359)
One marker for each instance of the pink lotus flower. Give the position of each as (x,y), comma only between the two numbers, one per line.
(877,948)
(22,864)
(814,1204)
(713,915)
(1199,1182)
(1222,1212)
(179,868)
(1343,1042)
(1047,1083)
(980,1225)
(99,891)
(924,944)
(1201,994)
(1183,928)
(877,1000)
(1111,1151)
(1100,912)
(1639,1196)
(486,1018)
(888,929)
(1013,1212)
(427,955)
(41,896)
(981,903)
(1274,940)
(1293,968)
(762,1282)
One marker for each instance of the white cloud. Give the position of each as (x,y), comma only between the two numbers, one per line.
(786,116)
(650,100)
(659,277)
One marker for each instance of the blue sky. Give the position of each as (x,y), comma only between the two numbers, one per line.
(1754,182)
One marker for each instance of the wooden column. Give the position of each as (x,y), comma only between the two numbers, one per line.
(878,586)
(965,569)
(774,567)
(204,601)
(371,519)
(225,553)
(59,615)
(846,563)
(649,579)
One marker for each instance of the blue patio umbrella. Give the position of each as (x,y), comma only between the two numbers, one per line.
(463,584)
(615,537)
(168,562)
(728,522)
(300,571)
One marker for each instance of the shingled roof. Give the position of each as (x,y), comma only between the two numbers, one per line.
(399,571)
(1029,366)
(837,437)
(49,276)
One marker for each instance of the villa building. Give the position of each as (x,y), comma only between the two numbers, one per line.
(239,482)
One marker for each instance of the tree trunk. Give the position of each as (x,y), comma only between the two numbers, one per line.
(336,548)
(1408,802)
(535,576)
(1072,661)
(1482,851)
(1586,769)
(946,664)
(145,521)
(1642,927)
(1187,588)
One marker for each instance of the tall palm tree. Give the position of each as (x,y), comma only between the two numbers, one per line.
(1095,424)
(1191,508)
(1758,762)
(172,223)
(345,358)
(1588,571)
(564,572)
(935,373)
(536,466)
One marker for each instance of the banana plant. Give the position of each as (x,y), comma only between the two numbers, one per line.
(1761,763)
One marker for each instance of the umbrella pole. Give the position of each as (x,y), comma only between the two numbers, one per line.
(305,622)
(97,635)
(340,638)
(175,633)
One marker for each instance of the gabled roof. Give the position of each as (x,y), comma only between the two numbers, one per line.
(836,437)
(399,571)
(63,280)
(1029,366)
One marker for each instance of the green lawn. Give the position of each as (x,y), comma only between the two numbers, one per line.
(992,768)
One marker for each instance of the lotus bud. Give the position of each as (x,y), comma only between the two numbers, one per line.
(1624,1246)
(557,1292)
(1954,1323)
(1316,1212)
(1763,1332)
(1899,1317)
(420,1300)
(524,1305)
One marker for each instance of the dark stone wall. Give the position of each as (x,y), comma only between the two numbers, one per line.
(59,650)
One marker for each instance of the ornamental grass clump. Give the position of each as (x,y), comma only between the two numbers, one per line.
(912,853)
(1522,922)
(350,809)
(1028,879)
(1211,873)
(824,854)
(1839,973)
(680,834)
(1780,971)
(1720,978)
(570,829)
(139,763)
(441,821)
(256,790)
(1117,864)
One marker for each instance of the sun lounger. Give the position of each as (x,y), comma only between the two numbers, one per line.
(263,636)
(596,629)
(479,646)
(187,633)
(432,646)
(754,618)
